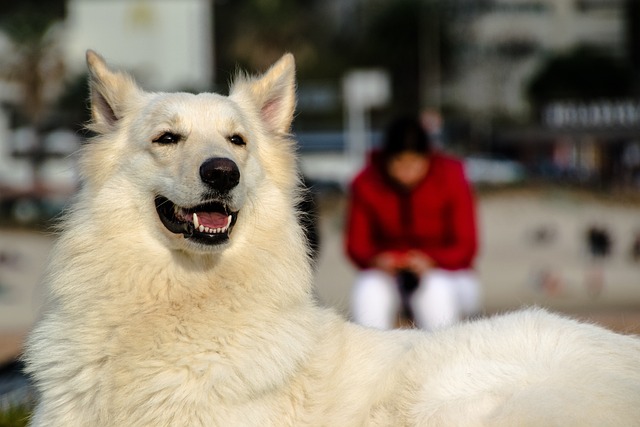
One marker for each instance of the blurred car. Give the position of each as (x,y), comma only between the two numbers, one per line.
(486,170)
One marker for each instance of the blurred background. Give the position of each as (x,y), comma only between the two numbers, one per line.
(541,98)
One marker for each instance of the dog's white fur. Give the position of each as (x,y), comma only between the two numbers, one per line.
(146,328)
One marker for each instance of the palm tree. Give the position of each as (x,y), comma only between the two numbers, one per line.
(33,68)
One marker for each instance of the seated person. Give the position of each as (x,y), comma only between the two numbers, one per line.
(411,214)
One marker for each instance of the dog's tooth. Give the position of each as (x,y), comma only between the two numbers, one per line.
(201,228)
(196,223)
(229,218)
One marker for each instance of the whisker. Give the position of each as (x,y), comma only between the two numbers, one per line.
(165,201)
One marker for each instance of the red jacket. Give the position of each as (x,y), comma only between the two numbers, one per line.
(436,217)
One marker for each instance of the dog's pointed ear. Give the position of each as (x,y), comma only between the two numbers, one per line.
(110,92)
(273,93)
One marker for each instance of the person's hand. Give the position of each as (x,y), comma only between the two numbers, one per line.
(418,263)
(386,262)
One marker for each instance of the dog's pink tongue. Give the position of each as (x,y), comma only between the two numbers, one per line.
(212,219)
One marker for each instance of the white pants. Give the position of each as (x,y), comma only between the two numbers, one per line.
(442,298)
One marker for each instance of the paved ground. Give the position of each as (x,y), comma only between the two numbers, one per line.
(533,252)
(23,256)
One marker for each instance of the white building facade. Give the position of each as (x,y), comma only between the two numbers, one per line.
(504,43)
(167,44)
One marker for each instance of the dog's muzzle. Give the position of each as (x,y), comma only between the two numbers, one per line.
(211,222)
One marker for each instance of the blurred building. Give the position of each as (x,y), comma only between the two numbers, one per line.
(167,44)
(504,42)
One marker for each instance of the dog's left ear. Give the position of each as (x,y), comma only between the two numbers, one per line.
(273,93)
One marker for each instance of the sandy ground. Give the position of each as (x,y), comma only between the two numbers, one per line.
(516,265)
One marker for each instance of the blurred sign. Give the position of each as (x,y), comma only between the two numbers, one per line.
(366,89)
(362,90)
(624,113)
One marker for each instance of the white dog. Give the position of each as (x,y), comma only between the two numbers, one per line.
(180,295)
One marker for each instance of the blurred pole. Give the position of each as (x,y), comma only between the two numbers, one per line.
(356,136)
(362,90)
(429,55)
(632,27)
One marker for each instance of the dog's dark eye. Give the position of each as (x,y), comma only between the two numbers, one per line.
(167,138)
(237,140)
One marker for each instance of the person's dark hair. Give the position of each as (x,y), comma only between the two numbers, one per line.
(405,134)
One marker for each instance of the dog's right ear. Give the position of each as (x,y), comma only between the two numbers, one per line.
(110,92)
(273,93)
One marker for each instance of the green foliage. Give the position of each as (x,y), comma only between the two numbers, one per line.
(73,103)
(585,73)
(252,34)
(26,21)
(17,416)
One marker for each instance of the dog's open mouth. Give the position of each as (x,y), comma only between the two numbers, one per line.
(209,223)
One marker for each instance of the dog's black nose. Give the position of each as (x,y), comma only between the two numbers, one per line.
(220,173)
